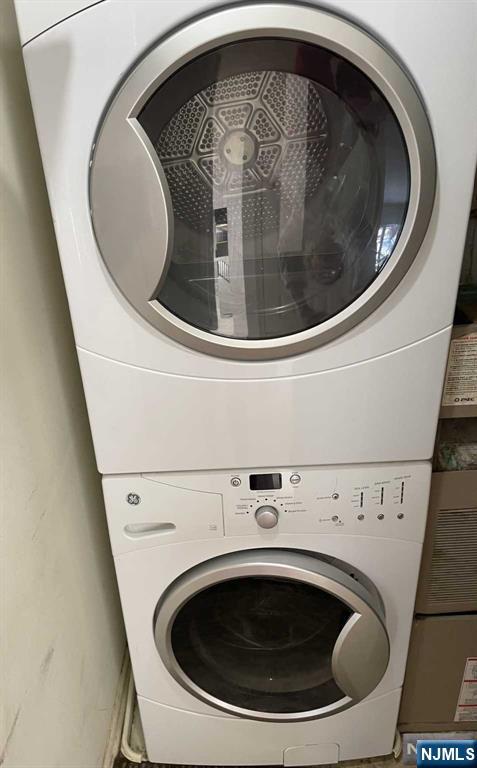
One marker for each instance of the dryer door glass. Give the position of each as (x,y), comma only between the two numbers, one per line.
(262,644)
(289,181)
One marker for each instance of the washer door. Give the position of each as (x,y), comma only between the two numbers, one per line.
(262,181)
(273,635)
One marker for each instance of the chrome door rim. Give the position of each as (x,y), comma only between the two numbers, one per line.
(198,37)
(288,564)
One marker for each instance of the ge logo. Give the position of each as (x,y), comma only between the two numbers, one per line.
(133,498)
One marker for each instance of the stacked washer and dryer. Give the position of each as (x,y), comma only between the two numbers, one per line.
(260,209)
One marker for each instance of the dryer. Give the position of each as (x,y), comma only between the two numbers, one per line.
(261,210)
(268,612)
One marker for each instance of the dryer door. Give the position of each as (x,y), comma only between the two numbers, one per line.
(273,635)
(262,181)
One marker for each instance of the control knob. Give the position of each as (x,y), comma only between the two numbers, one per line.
(266,516)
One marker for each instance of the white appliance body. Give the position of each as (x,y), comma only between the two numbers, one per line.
(368,393)
(321,392)
(371,518)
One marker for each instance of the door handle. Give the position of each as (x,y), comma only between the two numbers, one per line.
(137,530)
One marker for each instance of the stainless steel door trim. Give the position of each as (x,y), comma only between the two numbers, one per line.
(131,210)
(357,673)
(204,34)
(360,640)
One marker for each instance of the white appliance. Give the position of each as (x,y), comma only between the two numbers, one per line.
(260,210)
(297,296)
(268,612)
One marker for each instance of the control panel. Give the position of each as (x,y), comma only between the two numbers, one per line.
(388,500)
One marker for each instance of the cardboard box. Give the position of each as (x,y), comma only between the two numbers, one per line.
(442,657)
(459,396)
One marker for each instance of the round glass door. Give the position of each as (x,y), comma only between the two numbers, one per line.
(245,637)
(289,181)
(262,644)
(258,191)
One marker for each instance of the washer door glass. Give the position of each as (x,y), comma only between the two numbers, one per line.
(273,634)
(262,644)
(289,182)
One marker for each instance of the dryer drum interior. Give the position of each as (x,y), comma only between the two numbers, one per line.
(289,182)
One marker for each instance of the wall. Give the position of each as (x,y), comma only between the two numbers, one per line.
(64,640)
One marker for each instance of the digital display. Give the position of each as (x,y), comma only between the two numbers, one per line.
(271,482)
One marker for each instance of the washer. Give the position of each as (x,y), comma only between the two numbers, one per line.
(293,302)
(269,621)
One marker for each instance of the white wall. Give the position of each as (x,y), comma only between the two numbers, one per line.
(64,640)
